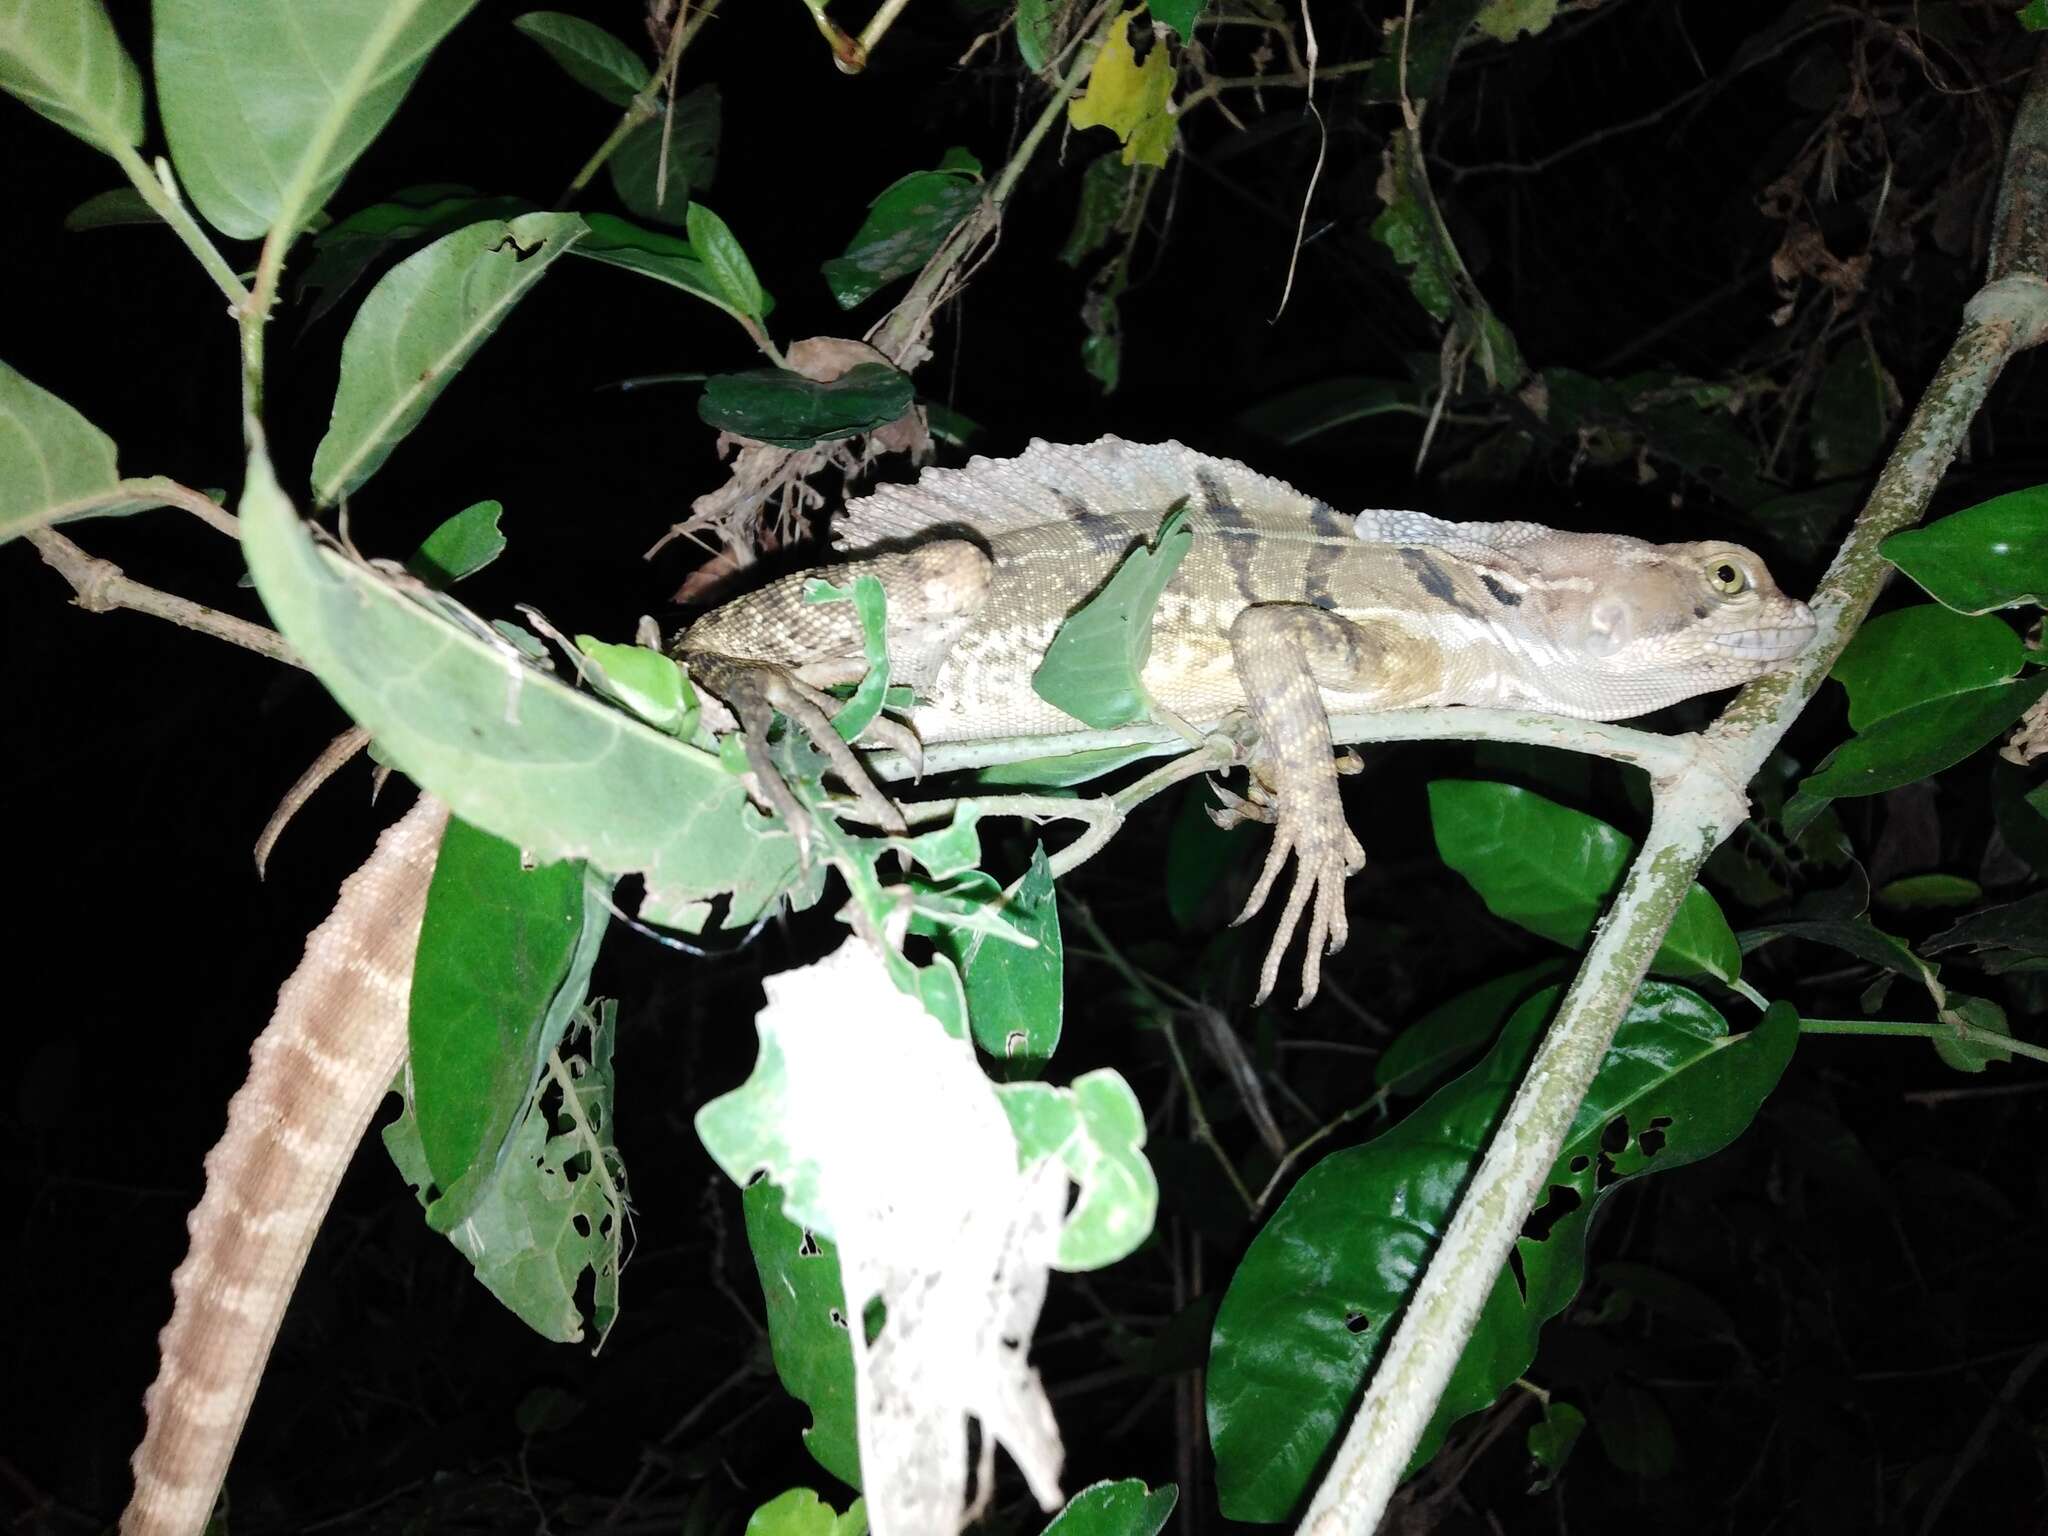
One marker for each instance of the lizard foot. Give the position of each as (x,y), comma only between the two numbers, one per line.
(754,691)
(1326,855)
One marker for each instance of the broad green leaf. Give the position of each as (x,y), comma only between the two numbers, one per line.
(461,546)
(2033,16)
(801,1512)
(423,321)
(691,142)
(1852,408)
(54,464)
(904,225)
(1180,15)
(1092,668)
(112,209)
(1130,99)
(1126,1508)
(1551,1440)
(555,1207)
(345,250)
(1928,893)
(267,103)
(1912,655)
(648,683)
(1035,31)
(1105,194)
(807,1326)
(1992,555)
(731,273)
(1015,995)
(588,54)
(1300,414)
(1505,20)
(1551,870)
(1316,1295)
(1858,937)
(61,57)
(1968,1054)
(662,257)
(776,405)
(1918,742)
(1058,772)
(2000,938)
(1096,1129)
(504,961)
(1434,1044)
(554,771)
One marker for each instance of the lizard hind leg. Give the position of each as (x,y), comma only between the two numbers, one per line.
(1284,654)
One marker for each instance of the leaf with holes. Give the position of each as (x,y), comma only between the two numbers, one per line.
(1311,1305)
(806,1305)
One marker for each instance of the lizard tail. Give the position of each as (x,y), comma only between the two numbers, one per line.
(316,1075)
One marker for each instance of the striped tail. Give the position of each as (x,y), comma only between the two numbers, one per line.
(316,1075)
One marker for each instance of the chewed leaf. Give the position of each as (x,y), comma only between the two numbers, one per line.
(461,546)
(1315,1298)
(554,771)
(1129,98)
(1097,1131)
(1092,668)
(423,321)
(807,1326)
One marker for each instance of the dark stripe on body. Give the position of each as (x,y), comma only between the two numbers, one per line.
(1501,594)
(1434,580)
(1104,532)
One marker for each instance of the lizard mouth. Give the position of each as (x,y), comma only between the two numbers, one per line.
(1776,643)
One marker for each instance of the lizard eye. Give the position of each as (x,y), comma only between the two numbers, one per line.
(1727,578)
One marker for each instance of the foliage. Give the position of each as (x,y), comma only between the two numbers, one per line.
(1502,303)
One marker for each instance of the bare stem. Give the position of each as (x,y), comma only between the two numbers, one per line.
(101,588)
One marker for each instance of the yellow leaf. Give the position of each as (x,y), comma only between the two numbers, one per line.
(1129,98)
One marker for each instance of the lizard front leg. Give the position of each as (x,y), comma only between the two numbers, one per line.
(1283,654)
(774,651)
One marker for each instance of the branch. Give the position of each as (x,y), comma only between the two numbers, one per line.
(1693,813)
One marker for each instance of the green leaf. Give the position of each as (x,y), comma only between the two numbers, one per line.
(872,604)
(1930,892)
(343,251)
(1429,1048)
(112,209)
(555,1208)
(1129,97)
(1919,741)
(1964,1053)
(1858,937)
(1105,196)
(1415,56)
(1851,411)
(267,103)
(1300,414)
(1992,555)
(1093,667)
(1317,1293)
(61,58)
(776,405)
(423,321)
(800,1512)
(648,683)
(1999,938)
(1912,655)
(1125,1508)
(515,752)
(1015,996)
(807,1326)
(1551,870)
(54,463)
(588,54)
(662,257)
(1035,32)
(1097,1131)
(2033,16)
(1634,1431)
(461,546)
(1551,1440)
(1504,20)
(504,961)
(905,224)
(1180,15)
(732,275)
(1069,768)
(692,149)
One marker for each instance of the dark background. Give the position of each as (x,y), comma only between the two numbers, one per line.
(1880,1257)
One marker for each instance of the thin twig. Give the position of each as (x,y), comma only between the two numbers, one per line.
(102,588)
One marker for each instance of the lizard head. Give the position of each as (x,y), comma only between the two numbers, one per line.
(1662,622)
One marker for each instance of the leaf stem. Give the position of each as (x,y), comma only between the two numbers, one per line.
(159,189)
(1907,1029)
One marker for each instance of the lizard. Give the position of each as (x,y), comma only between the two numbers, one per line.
(1283,608)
